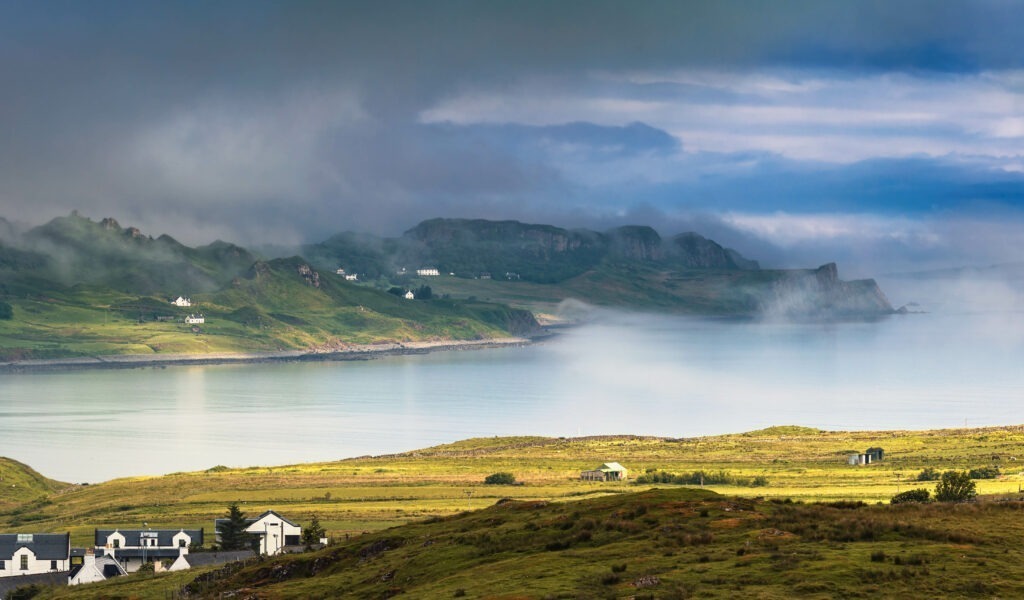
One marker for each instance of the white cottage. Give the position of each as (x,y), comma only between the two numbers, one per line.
(134,547)
(95,569)
(272,531)
(195,320)
(182,301)
(409,296)
(33,553)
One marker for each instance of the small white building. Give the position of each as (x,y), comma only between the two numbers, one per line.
(182,301)
(409,296)
(195,320)
(34,553)
(611,471)
(428,272)
(340,271)
(352,277)
(272,531)
(134,547)
(95,569)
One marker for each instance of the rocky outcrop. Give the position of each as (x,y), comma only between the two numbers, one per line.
(819,293)
(695,251)
(308,275)
(636,242)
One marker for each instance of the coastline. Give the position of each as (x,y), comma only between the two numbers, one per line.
(350,352)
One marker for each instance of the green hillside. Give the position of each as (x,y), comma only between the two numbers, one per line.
(82,288)
(20,485)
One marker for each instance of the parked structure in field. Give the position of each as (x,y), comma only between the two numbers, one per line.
(428,272)
(95,568)
(182,301)
(195,320)
(34,553)
(134,547)
(871,455)
(272,531)
(612,471)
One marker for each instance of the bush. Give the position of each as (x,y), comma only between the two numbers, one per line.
(984,473)
(918,495)
(500,479)
(6,311)
(955,486)
(928,474)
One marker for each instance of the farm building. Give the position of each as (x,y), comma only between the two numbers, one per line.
(273,532)
(612,471)
(33,553)
(133,547)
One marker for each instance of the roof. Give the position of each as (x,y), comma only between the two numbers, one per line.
(106,565)
(612,466)
(46,546)
(217,522)
(165,537)
(145,552)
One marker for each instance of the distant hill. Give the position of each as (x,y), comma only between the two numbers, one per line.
(107,289)
(539,266)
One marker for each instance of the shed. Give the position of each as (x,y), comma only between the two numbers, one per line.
(610,471)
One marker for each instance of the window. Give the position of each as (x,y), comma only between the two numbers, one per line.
(24,537)
(53,565)
(181,543)
(117,543)
(24,562)
(3,565)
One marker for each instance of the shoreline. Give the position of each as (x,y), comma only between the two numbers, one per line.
(352,352)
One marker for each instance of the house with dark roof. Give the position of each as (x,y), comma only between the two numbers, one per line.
(95,568)
(33,553)
(135,547)
(272,531)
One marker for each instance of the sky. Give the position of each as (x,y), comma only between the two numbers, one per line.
(886,136)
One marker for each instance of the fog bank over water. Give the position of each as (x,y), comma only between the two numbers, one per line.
(618,374)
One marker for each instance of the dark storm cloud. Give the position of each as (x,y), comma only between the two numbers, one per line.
(245,120)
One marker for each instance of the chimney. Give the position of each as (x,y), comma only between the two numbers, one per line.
(90,558)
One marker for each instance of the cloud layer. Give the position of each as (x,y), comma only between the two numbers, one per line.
(799,133)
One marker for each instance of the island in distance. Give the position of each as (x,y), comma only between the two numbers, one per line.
(110,289)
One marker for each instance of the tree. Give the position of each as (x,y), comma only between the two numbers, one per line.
(232,530)
(6,311)
(424,293)
(500,479)
(396,291)
(312,534)
(955,486)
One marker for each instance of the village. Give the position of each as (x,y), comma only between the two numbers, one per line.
(49,558)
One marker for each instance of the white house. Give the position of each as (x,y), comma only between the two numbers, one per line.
(409,296)
(95,569)
(182,301)
(273,532)
(195,320)
(340,271)
(33,553)
(428,272)
(352,277)
(134,547)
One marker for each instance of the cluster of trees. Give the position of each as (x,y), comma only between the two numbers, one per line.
(700,478)
(953,486)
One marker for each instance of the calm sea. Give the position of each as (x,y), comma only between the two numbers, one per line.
(622,374)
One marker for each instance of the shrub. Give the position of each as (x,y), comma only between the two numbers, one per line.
(6,311)
(918,495)
(878,556)
(928,474)
(955,486)
(984,473)
(500,479)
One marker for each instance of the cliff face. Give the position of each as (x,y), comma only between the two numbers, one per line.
(820,293)
(695,251)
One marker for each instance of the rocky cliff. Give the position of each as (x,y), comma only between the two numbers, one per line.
(820,293)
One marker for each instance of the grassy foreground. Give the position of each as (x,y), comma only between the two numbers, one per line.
(372,493)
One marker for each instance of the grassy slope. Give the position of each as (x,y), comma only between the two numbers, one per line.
(371,493)
(676,543)
(275,311)
(20,485)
